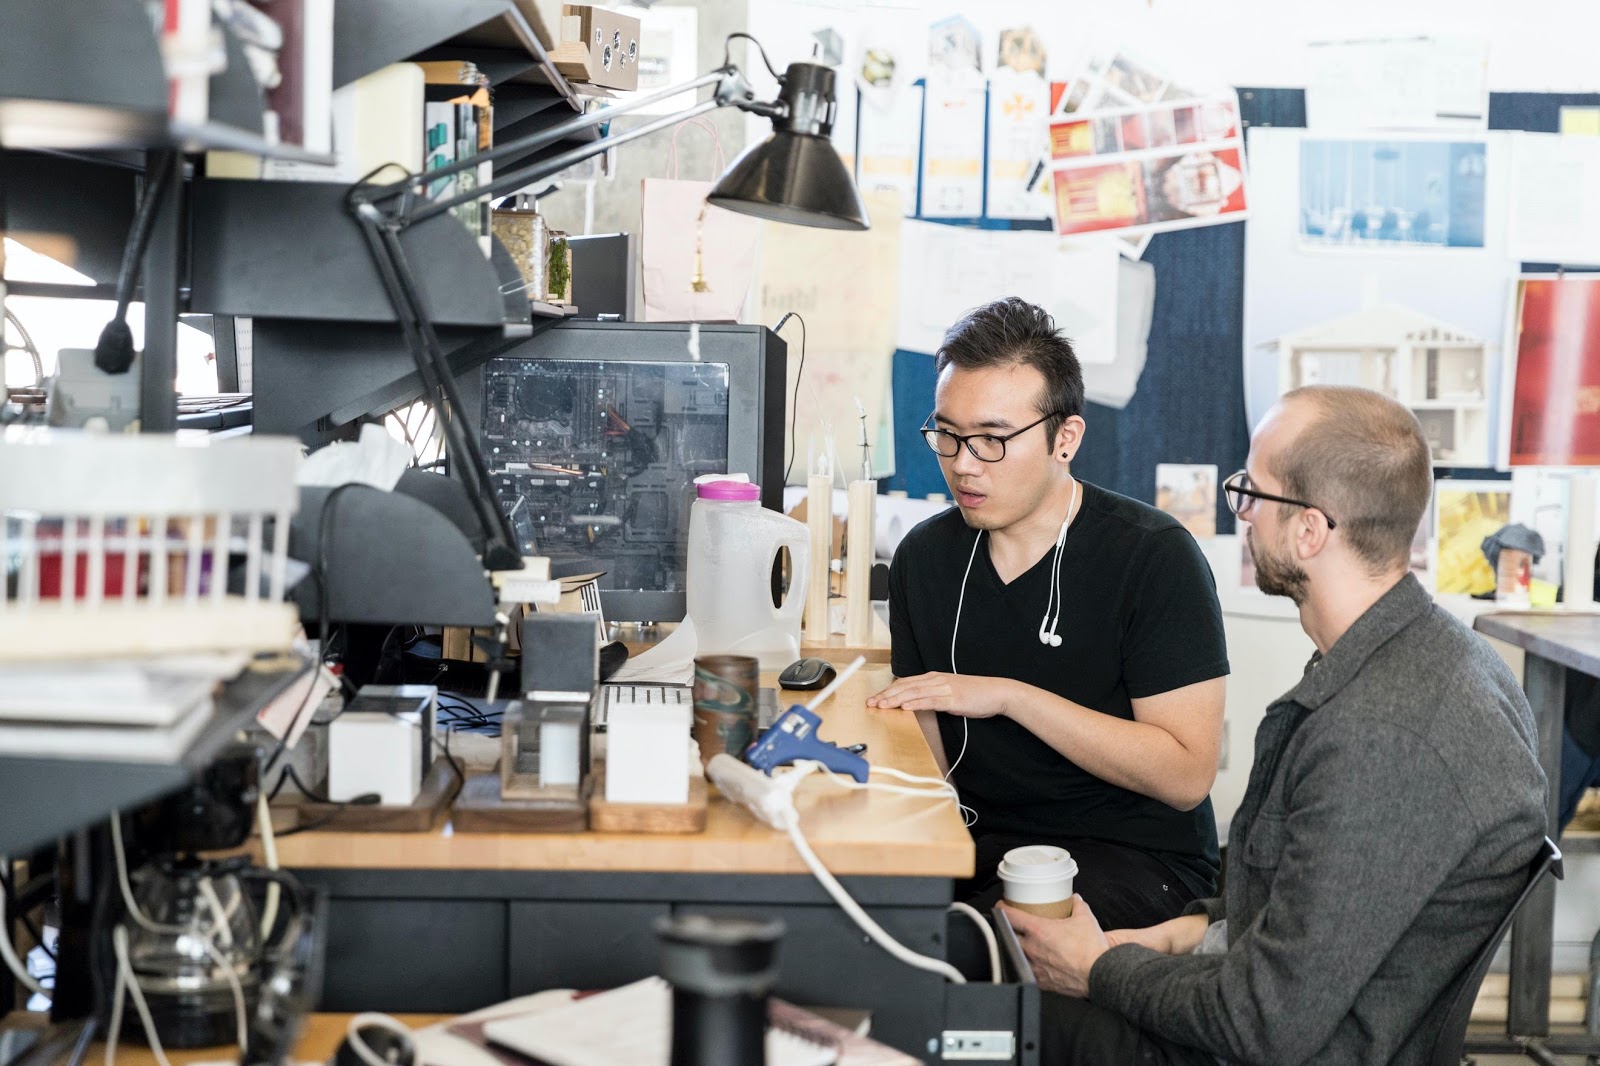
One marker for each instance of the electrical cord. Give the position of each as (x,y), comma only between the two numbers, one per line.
(794,408)
(269,855)
(726,53)
(8,950)
(128,981)
(127,887)
(988,935)
(359,1046)
(831,885)
(14,906)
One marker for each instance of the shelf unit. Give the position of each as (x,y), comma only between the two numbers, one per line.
(38,809)
(83,119)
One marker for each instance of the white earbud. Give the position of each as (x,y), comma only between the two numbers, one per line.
(1048,624)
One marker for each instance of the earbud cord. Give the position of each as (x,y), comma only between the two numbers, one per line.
(1056,600)
(968,815)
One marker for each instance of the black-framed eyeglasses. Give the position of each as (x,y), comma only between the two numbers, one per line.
(985,447)
(1239,493)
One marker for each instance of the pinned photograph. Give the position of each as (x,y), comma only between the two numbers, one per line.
(1022,50)
(1181,190)
(1465,513)
(1107,136)
(1134,79)
(1393,193)
(829,45)
(1189,494)
(954,43)
(877,68)
(1553,410)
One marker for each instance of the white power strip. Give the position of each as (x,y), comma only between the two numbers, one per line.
(770,799)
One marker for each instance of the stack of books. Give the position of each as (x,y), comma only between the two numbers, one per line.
(123,711)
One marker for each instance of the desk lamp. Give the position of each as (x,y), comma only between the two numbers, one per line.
(793,176)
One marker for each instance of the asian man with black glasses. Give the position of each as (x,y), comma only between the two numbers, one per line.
(1061,645)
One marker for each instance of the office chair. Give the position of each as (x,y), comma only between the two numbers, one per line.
(1447,1047)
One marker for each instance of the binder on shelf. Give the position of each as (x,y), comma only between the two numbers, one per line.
(460,124)
(303,98)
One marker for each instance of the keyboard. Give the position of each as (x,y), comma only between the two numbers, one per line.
(683,695)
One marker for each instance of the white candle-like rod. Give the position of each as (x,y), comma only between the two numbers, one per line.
(833,686)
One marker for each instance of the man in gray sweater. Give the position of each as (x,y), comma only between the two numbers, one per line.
(1394,804)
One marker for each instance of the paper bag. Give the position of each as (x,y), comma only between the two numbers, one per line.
(698,261)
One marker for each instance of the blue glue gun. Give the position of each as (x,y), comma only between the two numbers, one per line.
(794,736)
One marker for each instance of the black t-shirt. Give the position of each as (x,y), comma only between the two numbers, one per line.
(1140,617)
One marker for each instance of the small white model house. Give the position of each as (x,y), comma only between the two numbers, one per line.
(1437,370)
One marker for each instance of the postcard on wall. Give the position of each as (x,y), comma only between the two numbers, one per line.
(1189,494)
(952,148)
(1019,188)
(1148,167)
(1113,78)
(1394,193)
(1465,512)
(1555,199)
(1399,83)
(888,142)
(1580,121)
(945,270)
(1551,411)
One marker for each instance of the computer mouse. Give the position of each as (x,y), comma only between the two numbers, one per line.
(807,673)
(384,1040)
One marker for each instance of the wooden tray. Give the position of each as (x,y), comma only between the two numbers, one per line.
(423,814)
(481,809)
(646,817)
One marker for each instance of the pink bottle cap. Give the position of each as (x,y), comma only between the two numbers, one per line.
(723,489)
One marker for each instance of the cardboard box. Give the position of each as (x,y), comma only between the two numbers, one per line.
(612,43)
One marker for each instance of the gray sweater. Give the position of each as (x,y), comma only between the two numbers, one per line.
(1393,807)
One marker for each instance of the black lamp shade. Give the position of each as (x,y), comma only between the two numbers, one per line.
(795,175)
(796,178)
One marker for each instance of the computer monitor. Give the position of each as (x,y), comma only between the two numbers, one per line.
(595,431)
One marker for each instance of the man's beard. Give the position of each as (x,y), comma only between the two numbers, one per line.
(1277,576)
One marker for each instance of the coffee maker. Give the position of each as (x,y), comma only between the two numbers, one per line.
(192,932)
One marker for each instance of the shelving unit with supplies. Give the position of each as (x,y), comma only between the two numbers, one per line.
(83,124)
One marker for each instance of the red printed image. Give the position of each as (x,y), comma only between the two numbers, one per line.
(1133,132)
(1555,399)
(1069,139)
(1101,197)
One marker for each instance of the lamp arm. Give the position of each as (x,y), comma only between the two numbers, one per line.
(732,90)
(524,176)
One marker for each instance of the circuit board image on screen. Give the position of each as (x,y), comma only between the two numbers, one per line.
(594,461)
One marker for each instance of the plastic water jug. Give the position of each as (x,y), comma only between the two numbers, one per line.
(733,544)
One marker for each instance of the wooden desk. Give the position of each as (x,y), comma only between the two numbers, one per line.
(834,648)
(852,832)
(1555,643)
(445,922)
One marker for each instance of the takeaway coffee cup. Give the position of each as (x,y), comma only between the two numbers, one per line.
(725,691)
(1038,879)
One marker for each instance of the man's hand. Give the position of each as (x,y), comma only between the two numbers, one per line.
(1062,950)
(1179,936)
(967,695)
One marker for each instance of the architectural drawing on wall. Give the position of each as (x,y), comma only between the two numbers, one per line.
(1434,368)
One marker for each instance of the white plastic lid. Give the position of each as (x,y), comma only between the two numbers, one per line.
(1038,864)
